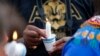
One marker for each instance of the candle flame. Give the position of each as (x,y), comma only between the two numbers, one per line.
(15,35)
(47,20)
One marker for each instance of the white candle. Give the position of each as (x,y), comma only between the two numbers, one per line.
(49,43)
(20,50)
(50,40)
(48,29)
(14,48)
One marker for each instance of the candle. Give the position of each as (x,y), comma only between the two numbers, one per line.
(49,43)
(20,50)
(14,48)
(48,29)
(50,40)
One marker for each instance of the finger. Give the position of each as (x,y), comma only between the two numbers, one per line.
(30,33)
(59,42)
(32,41)
(38,30)
(63,40)
(59,47)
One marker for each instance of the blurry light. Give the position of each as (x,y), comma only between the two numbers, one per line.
(15,35)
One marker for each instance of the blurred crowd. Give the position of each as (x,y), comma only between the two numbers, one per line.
(28,18)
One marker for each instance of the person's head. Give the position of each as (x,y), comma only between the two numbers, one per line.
(9,19)
(3,38)
(3,35)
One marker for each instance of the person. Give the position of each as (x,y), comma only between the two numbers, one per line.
(86,39)
(64,15)
(65,40)
(7,17)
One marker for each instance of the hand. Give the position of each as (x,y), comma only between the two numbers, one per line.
(32,35)
(60,43)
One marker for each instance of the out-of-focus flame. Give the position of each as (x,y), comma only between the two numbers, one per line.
(15,35)
(47,20)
